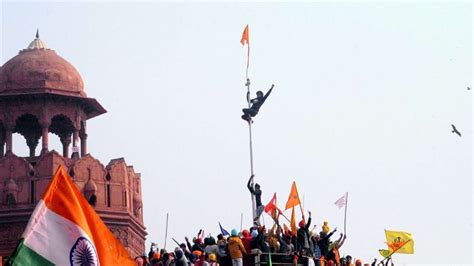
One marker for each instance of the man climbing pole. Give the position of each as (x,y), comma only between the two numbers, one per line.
(255,191)
(256,104)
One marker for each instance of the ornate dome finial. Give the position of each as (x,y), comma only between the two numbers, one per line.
(36,43)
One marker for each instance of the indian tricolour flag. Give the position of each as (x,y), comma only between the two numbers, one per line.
(65,230)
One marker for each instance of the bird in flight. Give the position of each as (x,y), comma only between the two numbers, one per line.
(455,130)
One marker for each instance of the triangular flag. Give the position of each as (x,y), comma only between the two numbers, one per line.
(271,207)
(65,230)
(293,198)
(342,201)
(245,36)
(223,231)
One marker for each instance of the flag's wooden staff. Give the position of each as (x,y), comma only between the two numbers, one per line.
(282,214)
(177,243)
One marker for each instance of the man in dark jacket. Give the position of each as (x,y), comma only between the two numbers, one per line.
(257,192)
(256,104)
(305,244)
(323,242)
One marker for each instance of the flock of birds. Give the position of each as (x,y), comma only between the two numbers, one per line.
(455,130)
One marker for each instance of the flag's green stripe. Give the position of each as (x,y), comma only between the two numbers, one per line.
(25,256)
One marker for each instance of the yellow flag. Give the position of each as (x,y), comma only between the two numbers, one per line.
(400,242)
(385,253)
(293,198)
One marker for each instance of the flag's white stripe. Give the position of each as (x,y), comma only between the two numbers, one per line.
(51,235)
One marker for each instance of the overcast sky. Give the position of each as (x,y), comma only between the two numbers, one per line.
(365,95)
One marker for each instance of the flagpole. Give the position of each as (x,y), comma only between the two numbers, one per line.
(345,212)
(302,213)
(254,209)
(166,230)
(245,40)
(248,62)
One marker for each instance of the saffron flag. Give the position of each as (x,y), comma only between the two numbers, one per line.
(293,198)
(271,207)
(400,242)
(342,201)
(223,231)
(65,230)
(293,222)
(245,36)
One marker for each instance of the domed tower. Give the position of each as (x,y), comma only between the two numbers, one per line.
(42,93)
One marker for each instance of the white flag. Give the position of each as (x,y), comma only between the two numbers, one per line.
(342,201)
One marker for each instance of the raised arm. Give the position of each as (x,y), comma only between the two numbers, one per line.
(268,92)
(188,244)
(309,221)
(341,240)
(330,234)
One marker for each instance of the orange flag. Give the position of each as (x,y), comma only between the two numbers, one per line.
(293,222)
(245,40)
(294,198)
(271,207)
(245,36)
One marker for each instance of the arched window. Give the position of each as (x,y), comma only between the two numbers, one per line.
(93,200)
(125,200)
(11,199)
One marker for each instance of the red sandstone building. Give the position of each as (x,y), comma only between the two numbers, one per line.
(41,93)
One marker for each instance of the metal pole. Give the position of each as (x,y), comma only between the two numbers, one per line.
(166,232)
(254,208)
(345,212)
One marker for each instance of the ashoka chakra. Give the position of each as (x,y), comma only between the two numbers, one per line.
(83,253)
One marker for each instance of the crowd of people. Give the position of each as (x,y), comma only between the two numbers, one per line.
(258,245)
